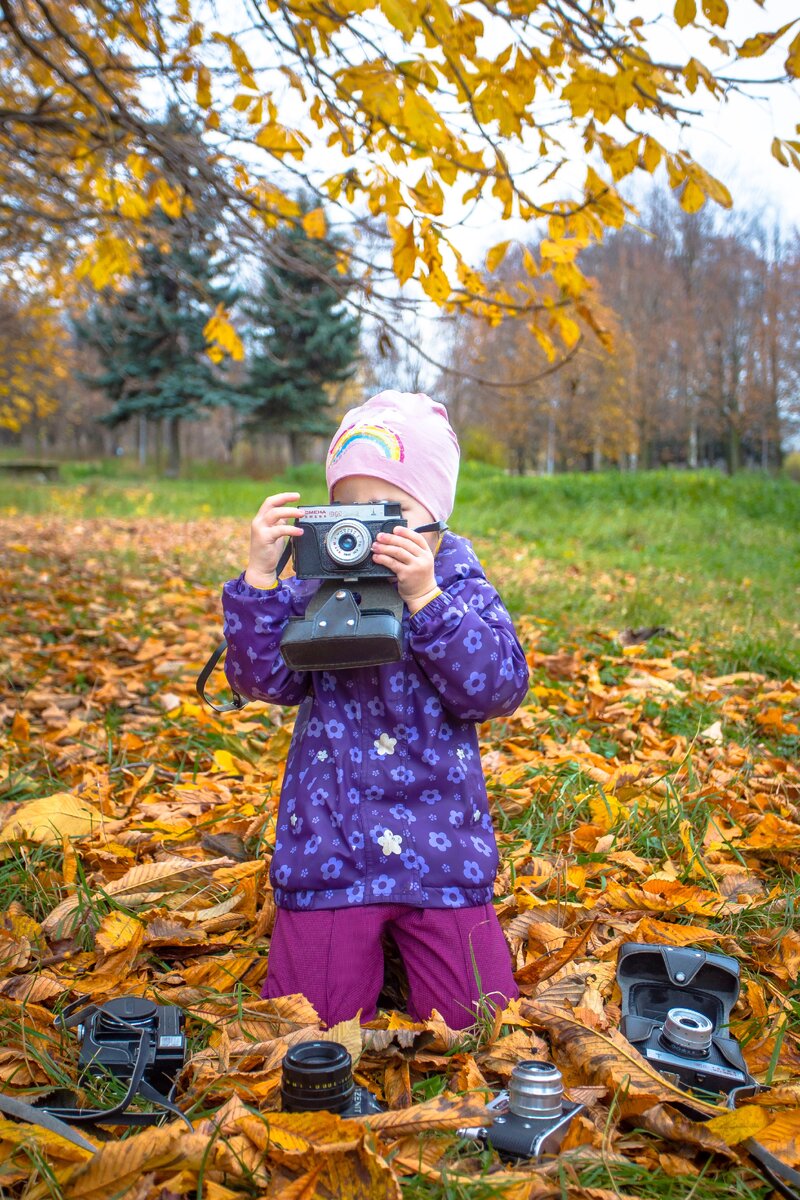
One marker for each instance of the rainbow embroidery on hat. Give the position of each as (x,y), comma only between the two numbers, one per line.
(384,440)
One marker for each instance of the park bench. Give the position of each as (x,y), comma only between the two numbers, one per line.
(44,472)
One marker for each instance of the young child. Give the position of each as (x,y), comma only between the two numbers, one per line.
(383,822)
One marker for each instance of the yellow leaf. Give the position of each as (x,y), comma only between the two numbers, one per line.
(314,223)
(605,809)
(51,818)
(278,140)
(685,12)
(793,58)
(429,195)
(404,251)
(223,337)
(692,197)
(117,931)
(204,87)
(778,152)
(496,255)
(737,1126)
(227,763)
(716,11)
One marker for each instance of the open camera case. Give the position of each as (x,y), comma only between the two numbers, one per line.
(654,979)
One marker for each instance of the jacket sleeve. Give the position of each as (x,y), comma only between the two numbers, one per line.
(254,621)
(466,644)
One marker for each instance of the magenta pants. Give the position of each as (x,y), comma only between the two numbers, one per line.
(334,957)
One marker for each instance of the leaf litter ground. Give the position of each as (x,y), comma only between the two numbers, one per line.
(637,797)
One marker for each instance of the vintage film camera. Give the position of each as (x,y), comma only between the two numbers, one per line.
(337,540)
(676,1007)
(354,619)
(134,1039)
(319,1075)
(112,1034)
(532,1117)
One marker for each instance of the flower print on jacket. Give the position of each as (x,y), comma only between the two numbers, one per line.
(383,795)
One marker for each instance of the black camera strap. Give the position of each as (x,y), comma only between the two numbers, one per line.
(238,702)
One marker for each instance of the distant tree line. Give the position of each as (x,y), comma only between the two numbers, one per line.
(690,355)
(687,352)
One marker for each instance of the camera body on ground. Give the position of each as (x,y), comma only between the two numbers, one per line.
(676,1007)
(531,1119)
(337,540)
(111,1034)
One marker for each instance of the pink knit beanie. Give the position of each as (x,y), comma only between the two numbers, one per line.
(404,438)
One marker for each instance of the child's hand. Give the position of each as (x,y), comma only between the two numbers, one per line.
(410,557)
(270,526)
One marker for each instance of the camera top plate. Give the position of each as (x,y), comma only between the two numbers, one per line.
(325,513)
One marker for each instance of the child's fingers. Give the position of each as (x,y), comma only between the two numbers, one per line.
(278,499)
(280,514)
(396,553)
(413,544)
(409,535)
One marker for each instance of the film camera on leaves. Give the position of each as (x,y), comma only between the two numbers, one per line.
(531,1119)
(676,1007)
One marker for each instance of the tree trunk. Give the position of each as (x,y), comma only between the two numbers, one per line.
(550,466)
(693,456)
(296,449)
(142,440)
(734,449)
(173,467)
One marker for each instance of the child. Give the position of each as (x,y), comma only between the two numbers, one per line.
(383,822)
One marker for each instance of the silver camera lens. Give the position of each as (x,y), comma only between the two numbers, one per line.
(535,1090)
(687,1029)
(348,543)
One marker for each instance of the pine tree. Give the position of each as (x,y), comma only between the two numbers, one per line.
(301,339)
(149,338)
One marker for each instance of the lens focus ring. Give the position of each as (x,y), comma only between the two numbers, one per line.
(688,1029)
(348,542)
(535,1090)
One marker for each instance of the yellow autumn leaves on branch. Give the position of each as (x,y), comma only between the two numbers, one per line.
(400,116)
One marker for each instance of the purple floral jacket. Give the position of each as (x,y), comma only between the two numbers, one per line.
(383,798)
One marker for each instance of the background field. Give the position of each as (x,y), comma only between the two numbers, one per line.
(713,559)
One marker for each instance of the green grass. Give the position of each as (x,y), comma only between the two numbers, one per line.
(713,559)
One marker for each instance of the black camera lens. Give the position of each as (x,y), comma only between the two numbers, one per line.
(347,542)
(317,1075)
(133,1010)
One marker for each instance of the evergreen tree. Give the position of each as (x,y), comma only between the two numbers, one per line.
(301,338)
(149,338)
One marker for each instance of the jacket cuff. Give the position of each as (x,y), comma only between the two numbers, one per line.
(243,588)
(435,609)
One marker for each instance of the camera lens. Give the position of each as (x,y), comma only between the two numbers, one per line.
(317,1075)
(348,543)
(535,1090)
(688,1030)
(133,1010)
